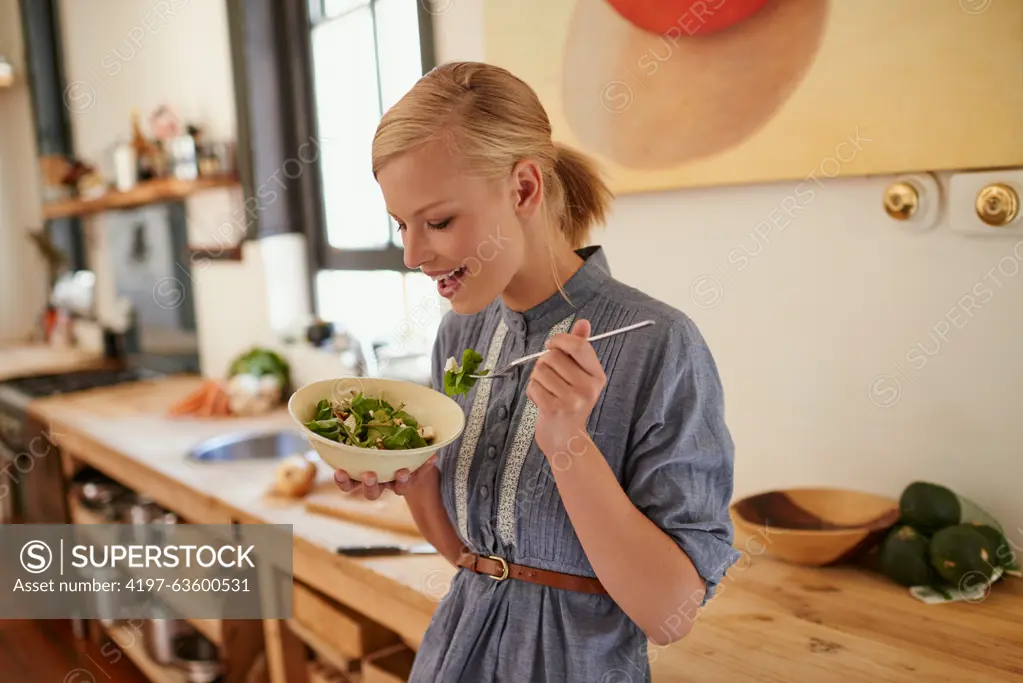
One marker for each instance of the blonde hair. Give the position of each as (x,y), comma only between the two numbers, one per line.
(492,120)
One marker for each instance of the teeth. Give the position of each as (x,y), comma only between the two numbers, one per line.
(446,275)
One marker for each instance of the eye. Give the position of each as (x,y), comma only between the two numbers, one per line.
(438,226)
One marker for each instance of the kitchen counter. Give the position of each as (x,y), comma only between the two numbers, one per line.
(18,360)
(770,622)
(124,431)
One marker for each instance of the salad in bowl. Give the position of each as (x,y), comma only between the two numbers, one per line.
(367,422)
(362,424)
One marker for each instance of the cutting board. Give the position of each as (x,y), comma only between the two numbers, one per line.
(389,511)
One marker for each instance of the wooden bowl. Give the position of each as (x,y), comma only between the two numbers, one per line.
(814,527)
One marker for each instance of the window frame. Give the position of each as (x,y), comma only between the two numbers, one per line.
(324,256)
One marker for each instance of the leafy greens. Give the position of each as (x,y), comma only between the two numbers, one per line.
(260,362)
(456,379)
(368,422)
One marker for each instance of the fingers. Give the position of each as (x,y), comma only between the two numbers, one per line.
(547,377)
(579,348)
(583,353)
(368,487)
(371,489)
(404,481)
(565,367)
(581,328)
(344,482)
(543,398)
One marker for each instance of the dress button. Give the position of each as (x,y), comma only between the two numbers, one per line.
(502,412)
(491,451)
(485,492)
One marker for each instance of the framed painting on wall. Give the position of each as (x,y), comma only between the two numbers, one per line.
(684,93)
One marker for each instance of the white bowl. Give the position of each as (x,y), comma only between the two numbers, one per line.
(429,407)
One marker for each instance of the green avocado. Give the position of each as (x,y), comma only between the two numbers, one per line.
(962,550)
(905,557)
(997,540)
(929,507)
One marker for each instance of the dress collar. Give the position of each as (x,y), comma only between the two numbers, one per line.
(581,287)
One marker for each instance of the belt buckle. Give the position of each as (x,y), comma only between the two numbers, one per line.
(504,568)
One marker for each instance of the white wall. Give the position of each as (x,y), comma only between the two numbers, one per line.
(22,270)
(139,55)
(804,317)
(813,334)
(134,55)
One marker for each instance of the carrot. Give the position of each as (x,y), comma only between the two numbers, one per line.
(212,390)
(189,403)
(221,406)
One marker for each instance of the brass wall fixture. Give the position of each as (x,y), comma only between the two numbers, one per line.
(997,204)
(901,200)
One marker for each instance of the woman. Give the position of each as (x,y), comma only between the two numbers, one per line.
(586,501)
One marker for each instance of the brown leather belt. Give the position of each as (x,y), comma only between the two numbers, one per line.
(500,569)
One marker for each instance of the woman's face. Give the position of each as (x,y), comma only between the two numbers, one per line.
(463,231)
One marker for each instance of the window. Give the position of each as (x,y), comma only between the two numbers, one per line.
(365,54)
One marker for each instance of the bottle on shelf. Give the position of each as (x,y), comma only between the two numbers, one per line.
(143,149)
(126,167)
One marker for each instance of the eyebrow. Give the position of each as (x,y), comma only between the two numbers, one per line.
(423,209)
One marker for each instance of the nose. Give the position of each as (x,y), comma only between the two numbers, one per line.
(417,248)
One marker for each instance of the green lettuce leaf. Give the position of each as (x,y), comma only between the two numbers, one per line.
(458,381)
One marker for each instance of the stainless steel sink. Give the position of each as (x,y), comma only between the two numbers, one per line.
(268,445)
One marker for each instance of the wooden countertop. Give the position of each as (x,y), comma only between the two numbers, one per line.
(124,431)
(18,360)
(770,622)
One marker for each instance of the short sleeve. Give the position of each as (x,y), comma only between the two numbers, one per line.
(679,470)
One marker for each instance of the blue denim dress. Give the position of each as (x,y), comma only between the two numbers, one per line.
(660,424)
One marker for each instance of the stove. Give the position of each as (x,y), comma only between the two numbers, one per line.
(21,451)
(49,385)
(18,392)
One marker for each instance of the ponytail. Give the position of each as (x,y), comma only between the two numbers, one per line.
(582,196)
(496,120)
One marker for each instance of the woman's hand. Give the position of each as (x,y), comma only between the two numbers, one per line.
(403,484)
(565,385)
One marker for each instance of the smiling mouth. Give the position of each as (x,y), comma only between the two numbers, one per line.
(450,283)
(450,277)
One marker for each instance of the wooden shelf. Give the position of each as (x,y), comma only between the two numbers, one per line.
(324,650)
(145,193)
(323,673)
(217,253)
(129,642)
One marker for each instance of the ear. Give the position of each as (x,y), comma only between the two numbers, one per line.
(527,187)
